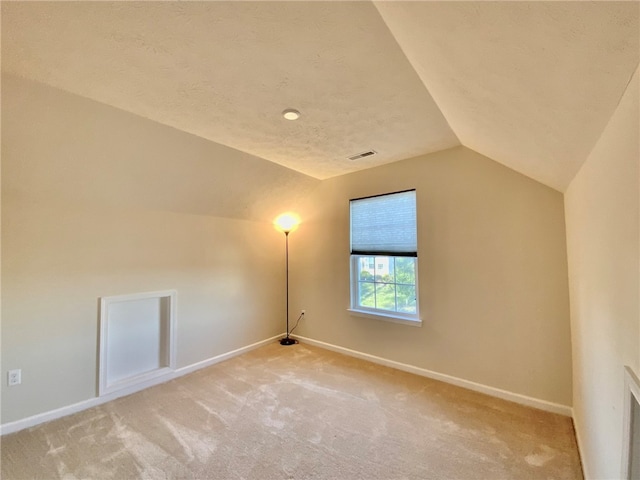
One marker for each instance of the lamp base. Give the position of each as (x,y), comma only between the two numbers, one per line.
(288,341)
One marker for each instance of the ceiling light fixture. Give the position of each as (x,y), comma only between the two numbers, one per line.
(291,114)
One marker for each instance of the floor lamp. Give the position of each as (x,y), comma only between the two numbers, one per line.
(287,223)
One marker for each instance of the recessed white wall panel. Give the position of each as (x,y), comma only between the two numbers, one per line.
(135,338)
(134,341)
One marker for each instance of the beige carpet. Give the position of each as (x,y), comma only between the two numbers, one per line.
(298,412)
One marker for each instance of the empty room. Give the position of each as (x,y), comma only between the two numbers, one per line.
(320,240)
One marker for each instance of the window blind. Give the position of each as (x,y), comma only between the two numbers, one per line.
(384,225)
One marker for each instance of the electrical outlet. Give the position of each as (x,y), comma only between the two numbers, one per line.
(14,377)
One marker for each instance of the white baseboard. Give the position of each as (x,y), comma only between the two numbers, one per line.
(477,387)
(34,420)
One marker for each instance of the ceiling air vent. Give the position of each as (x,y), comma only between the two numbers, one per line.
(358,156)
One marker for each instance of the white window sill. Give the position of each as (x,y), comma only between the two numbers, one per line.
(387,317)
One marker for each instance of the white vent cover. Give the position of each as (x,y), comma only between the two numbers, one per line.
(358,156)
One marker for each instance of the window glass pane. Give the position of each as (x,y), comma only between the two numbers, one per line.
(405,270)
(385,269)
(406,298)
(366,295)
(386,296)
(366,269)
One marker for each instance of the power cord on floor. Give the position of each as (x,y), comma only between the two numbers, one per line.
(297,322)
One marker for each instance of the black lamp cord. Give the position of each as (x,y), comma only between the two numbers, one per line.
(297,322)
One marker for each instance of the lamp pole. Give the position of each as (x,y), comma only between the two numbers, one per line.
(286,340)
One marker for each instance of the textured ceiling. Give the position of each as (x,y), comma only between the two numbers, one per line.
(529,84)
(226,70)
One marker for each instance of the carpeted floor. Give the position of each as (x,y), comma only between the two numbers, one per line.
(298,412)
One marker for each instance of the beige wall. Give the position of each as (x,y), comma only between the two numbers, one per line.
(602,208)
(99,202)
(492,274)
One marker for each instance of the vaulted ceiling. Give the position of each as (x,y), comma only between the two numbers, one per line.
(529,84)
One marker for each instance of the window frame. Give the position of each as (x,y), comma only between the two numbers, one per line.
(355,309)
(378,313)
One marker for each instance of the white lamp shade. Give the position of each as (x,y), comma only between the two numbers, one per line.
(287,222)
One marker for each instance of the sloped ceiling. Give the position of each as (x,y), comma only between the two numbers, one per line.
(529,84)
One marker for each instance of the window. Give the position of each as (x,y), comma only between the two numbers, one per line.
(384,255)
